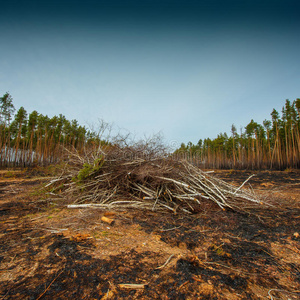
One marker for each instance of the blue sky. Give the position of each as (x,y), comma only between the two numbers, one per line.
(188,69)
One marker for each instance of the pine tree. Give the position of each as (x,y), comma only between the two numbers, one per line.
(6,109)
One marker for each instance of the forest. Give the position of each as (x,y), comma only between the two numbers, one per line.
(29,139)
(34,139)
(275,144)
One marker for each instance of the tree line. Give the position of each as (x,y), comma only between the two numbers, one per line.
(275,144)
(28,139)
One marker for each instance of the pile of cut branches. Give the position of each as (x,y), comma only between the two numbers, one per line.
(112,177)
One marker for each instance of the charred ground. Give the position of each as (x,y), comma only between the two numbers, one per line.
(48,251)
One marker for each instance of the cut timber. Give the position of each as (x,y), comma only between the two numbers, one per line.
(107,220)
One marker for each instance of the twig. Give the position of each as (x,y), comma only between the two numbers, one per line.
(283,291)
(171,228)
(40,296)
(185,283)
(243,184)
(167,261)
(132,285)
(130,179)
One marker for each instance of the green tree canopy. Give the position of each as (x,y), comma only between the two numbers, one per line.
(6,109)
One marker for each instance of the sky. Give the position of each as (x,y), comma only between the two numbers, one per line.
(185,69)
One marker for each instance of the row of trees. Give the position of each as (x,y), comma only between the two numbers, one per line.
(273,145)
(27,139)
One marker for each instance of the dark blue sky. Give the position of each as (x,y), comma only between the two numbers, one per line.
(187,68)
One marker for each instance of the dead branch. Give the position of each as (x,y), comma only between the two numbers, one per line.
(118,176)
(167,261)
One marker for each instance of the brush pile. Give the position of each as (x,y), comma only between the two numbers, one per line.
(114,177)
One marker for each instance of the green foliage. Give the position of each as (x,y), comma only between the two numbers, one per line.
(37,134)
(276,143)
(18,127)
(89,170)
(85,172)
(6,109)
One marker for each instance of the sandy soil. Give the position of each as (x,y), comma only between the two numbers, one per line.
(50,252)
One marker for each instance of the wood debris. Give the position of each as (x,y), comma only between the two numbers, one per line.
(130,177)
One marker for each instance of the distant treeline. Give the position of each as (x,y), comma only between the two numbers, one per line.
(35,139)
(273,145)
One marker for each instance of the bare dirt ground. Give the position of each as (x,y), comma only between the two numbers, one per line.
(48,251)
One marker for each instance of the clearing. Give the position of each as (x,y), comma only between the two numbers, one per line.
(48,251)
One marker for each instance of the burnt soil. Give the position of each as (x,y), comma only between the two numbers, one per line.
(48,251)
